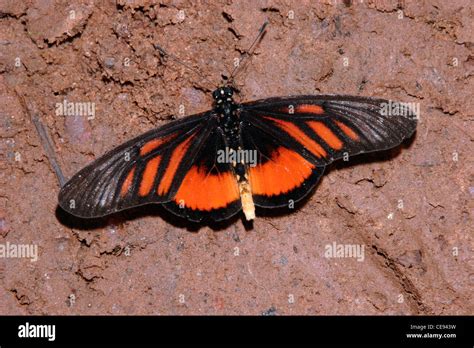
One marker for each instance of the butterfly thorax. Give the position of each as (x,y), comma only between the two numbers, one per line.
(224,103)
(225,109)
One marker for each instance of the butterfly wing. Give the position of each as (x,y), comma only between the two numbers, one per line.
(147,169)
(209,188)
(279,175)
(296,137)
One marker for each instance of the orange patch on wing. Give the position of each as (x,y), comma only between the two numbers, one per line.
(347,130)
(202,191)
(326,134)
(149,175)
(300,136)
(310,109)
(173,165)
(286,170)
(127,183)
(153,144)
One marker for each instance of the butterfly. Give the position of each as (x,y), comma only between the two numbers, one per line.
(266,153)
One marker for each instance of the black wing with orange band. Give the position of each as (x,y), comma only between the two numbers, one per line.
(209,188)
(295,138)
(146,169)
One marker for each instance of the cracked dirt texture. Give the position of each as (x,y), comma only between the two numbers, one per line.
(410,207)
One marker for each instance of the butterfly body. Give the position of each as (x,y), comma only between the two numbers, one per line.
(267,153)
(231,126)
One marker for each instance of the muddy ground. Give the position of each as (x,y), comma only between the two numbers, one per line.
(411,208)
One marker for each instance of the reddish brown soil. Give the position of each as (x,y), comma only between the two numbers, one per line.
(418,255)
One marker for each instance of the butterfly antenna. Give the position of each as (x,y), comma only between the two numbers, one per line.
(179,61)
(239,67)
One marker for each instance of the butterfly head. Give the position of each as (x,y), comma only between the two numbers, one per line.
(223,95)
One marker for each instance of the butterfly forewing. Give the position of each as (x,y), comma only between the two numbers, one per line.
(327,127)
(146,169)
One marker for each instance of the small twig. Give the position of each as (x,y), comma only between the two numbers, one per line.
(45,139)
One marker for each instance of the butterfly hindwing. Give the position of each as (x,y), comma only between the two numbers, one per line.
(209,187)
(280,175)
(146,169)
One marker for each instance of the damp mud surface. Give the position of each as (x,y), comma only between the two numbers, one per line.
(407,212)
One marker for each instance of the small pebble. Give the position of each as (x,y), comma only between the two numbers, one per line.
(109,62)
